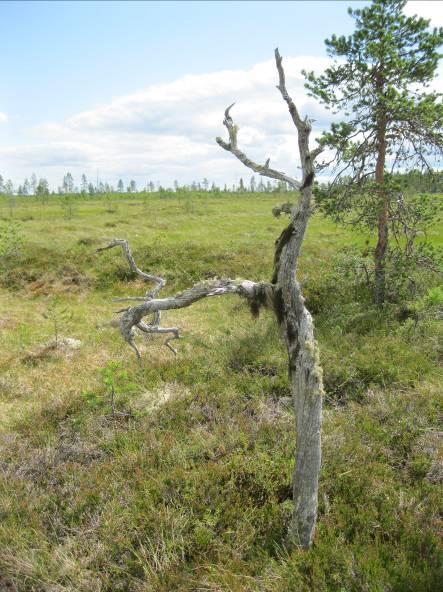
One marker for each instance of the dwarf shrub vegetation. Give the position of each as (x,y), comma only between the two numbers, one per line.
(189,487)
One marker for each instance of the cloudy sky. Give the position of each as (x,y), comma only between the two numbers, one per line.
(137,90)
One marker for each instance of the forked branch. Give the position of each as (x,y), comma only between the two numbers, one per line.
(261,169)
(283,294)
(303,128)
(256,293)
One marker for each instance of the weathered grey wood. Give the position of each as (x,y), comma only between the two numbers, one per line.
(256,293)
(304,364)
(147,277)
(231,146)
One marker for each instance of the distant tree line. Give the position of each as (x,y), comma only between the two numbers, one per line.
(31,186)
(416,181)
(40,187)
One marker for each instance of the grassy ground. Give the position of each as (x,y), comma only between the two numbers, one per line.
(189,488)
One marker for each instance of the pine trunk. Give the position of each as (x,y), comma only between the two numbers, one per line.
(383,211)
(305,372)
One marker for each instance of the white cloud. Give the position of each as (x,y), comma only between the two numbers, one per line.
(3,117)
(167,131)
(428,9)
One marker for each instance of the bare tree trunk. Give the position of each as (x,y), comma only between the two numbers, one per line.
(306,381)
(307,390)
(295,321)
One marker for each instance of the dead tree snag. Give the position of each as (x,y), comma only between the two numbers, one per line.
(282,294)
(294,319)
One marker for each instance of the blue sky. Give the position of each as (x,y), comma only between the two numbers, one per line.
(136,89)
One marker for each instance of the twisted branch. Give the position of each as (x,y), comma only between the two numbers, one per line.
(257,293)
(148,277)
(303,127)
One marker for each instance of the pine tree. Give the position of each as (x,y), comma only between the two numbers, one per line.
(42,189)
(84,184)
(26,187)
(68,183)
(9,187)
(377,82)
(34,183)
